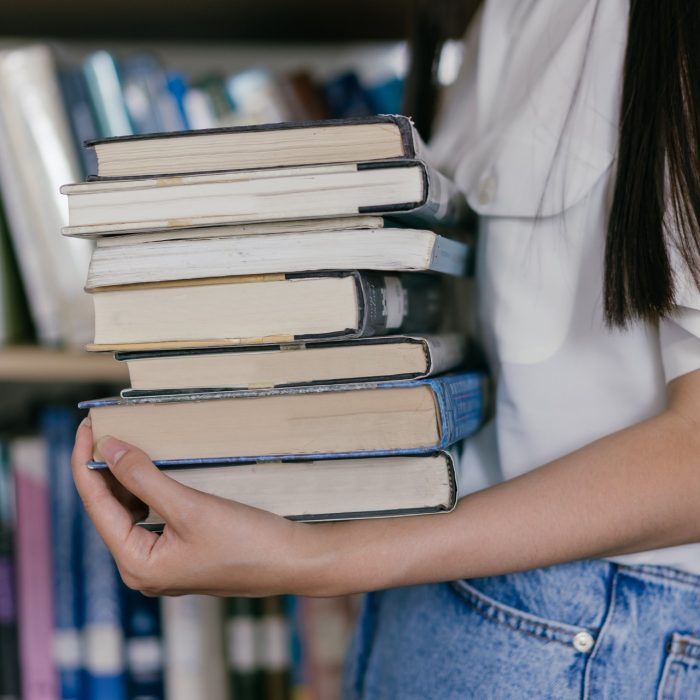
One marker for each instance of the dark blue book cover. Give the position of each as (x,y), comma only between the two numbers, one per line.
(80,116)
(58,429)
(461,401)
(103,636)
(144,645)
(347,98)
(9,661)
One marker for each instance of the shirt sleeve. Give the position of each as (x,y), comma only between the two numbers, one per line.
(679,334)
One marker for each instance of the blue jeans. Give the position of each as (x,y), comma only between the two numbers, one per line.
(584,630)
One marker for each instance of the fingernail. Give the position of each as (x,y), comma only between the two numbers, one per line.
(111,449)
(86,422)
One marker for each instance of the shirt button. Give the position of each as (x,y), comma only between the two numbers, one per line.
(487,189)
(583,641)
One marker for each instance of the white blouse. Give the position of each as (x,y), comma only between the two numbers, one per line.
(529,132)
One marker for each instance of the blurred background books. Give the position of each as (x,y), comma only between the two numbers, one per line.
(71,71)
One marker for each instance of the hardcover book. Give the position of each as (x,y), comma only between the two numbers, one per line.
(368,418)
(405,188)
(329,489)
(264,309)
(259,146)
(248,367)
(308,251)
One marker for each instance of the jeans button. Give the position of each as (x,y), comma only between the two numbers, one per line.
(583,641)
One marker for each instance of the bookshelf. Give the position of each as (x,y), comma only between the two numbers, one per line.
(32,378)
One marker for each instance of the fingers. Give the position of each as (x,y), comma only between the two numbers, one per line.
(111,519)
(135,471)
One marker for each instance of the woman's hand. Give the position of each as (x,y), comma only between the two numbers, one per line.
(209,545)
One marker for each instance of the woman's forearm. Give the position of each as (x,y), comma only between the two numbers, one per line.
(635,490)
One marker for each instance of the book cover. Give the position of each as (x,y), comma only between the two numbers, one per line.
(58,430)
(33,547)
(243,648)
(103,635)
(143,645)
(193,631)
(9,658)
(38,155)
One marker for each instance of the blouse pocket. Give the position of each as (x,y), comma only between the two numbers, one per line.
(680,679)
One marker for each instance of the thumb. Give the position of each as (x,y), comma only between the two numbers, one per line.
(137,473)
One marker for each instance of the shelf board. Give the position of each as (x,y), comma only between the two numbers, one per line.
(307,20)
(28,365)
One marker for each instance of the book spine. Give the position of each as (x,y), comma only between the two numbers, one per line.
(274,649)
(299,687)
(29,461)
(444,351)
(103,637)
(242,649)
(194,648)
(462,400)
(143,644)
(9,659)
(451,257)
(442,204)
(58,425)
(405,303)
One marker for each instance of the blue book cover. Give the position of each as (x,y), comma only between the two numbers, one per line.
(9,658)
(104,86)
(80,116)
(347,98)
(461,402)
(144,645)
(103,637)
(149,102)
(58,429)
(178,87)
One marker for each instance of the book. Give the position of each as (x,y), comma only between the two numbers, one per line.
(103,80)
(329,489)
(143,645)
(264,309)
(259,146)
(358,249)
(274,642)
(242,647)
(58,430)
(346,97)
(37,156)
(303,97)
(33,547)
(257,98)
(193,634)
(364,418)
(103,633)
(9,658)
(393,357)
(407,189)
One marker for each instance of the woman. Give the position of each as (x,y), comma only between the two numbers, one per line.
(588,479)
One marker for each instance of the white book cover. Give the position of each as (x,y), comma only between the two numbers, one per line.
(38,156)
(195,662)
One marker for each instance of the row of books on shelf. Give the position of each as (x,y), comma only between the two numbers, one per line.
(70,629)
(49,106)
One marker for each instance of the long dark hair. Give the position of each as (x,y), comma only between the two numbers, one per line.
(658,164)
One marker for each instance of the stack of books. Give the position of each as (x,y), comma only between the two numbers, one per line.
(281,338)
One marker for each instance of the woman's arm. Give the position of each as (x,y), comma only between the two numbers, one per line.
(634,490)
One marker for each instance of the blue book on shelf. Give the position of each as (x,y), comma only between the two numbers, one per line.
(178,87)
(103,636)
(144,645)
(80,116)
(58,429)
(347,98)
(460,406)
(103,80)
